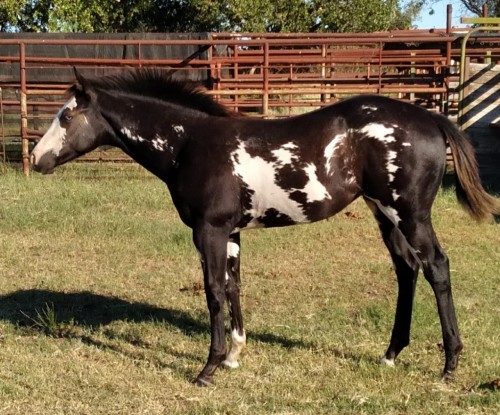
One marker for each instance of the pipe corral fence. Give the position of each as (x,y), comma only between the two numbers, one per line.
(263,74)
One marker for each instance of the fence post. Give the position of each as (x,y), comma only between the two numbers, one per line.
(24,110)
(265,75)
(4,156)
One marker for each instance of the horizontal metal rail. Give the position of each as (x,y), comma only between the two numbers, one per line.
(248,72)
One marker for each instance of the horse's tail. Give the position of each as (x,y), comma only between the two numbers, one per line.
(470,192)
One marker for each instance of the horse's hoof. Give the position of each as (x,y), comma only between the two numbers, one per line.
(387,362)
(204,382)
(227,364)
(448,376)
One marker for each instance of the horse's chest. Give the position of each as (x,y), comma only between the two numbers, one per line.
(277,189)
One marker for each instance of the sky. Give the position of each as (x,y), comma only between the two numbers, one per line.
(438,19)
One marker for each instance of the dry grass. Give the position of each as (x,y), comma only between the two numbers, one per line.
(101,312)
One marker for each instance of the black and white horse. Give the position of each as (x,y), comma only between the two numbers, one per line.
(228,173)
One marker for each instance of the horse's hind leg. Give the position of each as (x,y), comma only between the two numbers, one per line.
(412,243)
(437,272)
(238,337)
(406,267)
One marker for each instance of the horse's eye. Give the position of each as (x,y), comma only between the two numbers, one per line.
(67,117)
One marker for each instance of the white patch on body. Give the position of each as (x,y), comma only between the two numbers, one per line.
(160,144)
(391,167)
(259,175)
(284,154)
(129,134)
(388,211)
(238,342)
(330,149)
(379,132)
(314,189)
(350,178)
(369,107)
(53,140)
(385,135)
(395,195)
(178,128)
(406,144)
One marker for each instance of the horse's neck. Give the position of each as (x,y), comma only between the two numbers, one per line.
(154,146)
(156,152)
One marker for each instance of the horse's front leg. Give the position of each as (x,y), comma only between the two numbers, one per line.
(238,337)
(211,243)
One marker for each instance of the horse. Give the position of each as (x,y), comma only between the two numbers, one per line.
(227,173)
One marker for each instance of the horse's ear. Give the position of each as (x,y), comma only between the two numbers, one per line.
(80,80)
(82,85)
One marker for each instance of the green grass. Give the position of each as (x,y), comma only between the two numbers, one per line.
(101,312)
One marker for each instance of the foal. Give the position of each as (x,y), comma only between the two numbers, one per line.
(227,174)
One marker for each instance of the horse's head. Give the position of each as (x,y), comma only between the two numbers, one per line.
(77,129)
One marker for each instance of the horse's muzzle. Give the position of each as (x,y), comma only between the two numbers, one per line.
(39,168)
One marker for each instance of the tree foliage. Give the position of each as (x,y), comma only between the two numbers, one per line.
(476,6)
(207,15)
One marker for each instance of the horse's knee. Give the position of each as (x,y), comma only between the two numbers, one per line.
(437,269)
(215,297)
(400,248)
(232,288)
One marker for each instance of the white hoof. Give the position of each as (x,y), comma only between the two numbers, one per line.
(387,362)
(230,365)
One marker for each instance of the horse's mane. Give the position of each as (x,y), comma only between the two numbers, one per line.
(155,84)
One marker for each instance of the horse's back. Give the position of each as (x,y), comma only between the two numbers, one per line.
(309,167)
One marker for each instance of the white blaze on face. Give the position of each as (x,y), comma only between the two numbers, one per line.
(53,139)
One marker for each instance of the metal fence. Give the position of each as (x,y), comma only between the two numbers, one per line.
(266,75)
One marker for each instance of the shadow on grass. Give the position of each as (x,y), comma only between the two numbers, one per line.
(91,311)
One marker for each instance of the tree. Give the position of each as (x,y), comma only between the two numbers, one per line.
(367,15)
(476,6)
(207,15)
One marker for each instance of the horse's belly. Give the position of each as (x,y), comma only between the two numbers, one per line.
(278,188)
(273,210)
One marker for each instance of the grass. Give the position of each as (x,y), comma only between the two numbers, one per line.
(101,310)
